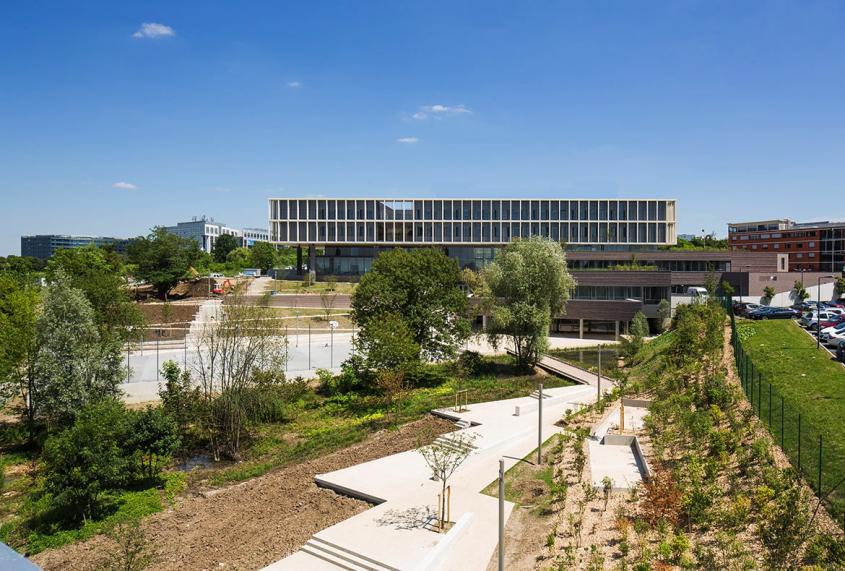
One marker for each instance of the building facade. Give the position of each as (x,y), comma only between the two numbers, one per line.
(809,246)
(43,246)
(205,231)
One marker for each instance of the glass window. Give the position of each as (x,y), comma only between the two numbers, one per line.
(515,210)
(612,210)
(438,210)
(525,208)
(467,211)
(321,207)
(467,232)
(476,231)
(485,210)
(555,210)
(427,210)
(312,210)
(661,210)
(652,210)
(643,210)
(496,207)
(380,213)
(292,227)
(457,209)
(447,210)
(564,232)
(303,209)
(564,210)
(312,231)
(332,204)
(506,210)
(573,210)
(535,210)
(341,232)
(594,210)
(583,210)
(476,210)
(282,206)
(602,210)
(429,231)
(438,228)
(555,231)
(371,209)
(544,210)
(623,210)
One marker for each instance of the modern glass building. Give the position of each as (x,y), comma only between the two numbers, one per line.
(591,223)
(43,246)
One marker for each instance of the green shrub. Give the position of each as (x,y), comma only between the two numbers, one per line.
(471,363)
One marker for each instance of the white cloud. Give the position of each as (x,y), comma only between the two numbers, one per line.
(294,84)
(153,30)
(408,140)
(437,111)
(121,185)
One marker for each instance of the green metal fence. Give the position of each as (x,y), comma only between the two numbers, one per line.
(816,456)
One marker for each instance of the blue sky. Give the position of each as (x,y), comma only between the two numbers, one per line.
(110,126)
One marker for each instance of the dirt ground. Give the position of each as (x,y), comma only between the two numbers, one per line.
(252,524)
(174,319)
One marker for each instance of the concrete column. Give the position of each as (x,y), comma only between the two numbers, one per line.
(580,329)
(312,259)
(616,330)
(299,260)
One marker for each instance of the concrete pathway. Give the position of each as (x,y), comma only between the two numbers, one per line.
(613,455)
(259,286)
(397,533)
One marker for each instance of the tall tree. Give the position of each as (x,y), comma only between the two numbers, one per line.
(421,286)
(99,275)
(20,301)
(75,364)
(223,245)
(263,255)
(527,284)
(162,258)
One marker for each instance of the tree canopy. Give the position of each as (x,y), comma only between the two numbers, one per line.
(99,274)
(421,286)
(223,246)
(263,256)
(162,258)
(527,284)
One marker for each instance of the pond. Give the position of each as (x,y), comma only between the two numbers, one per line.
(192,462)
(588,358)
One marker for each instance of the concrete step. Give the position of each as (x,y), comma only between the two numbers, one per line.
(536,395)
(449,442)
(463,424)
(343,557)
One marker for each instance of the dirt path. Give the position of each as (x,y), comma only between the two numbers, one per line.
(253,524)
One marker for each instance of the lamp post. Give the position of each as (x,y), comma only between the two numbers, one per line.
(501,514)
(819,309)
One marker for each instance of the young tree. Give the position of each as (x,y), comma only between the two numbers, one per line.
(800,292)
(87,460)
(243,340)
(529,283)
(664,313)
(130,552)
(727,288)
(223,245)
(839,287)
(638,331)
(19,308)
(178,398)
(75,366)
(768,293)
(421,285)
(162,258)
(443,458)
(391,382)
(263,255)
(154,437)
(327,301)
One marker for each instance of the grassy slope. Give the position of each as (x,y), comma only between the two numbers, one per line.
(812,385)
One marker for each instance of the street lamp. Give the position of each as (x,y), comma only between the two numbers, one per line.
(818,310)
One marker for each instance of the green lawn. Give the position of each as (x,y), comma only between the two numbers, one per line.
(296,286)
(811,384)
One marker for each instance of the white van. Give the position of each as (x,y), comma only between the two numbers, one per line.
(698,294)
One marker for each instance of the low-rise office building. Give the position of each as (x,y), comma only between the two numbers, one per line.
(808,246)
(43,246)
(205,231)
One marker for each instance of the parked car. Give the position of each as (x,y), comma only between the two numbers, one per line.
(834,338)
(832,328)
(834,309)
(837,303)
(836,320)
(774,313)
(744,308)
(811,318)
(840,351)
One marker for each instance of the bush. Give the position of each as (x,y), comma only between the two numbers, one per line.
(471,363)
(426,376)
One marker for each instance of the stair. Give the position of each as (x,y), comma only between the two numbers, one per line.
(461,424)
(449,441)
(342,557)
(536,395)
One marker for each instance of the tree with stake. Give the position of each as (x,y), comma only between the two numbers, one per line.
(443,458)
(327,301)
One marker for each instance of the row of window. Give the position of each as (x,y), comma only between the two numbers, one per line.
(484,232)
(472,210)
(607,293)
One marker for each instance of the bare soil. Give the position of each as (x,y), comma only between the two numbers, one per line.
(252,524)
(173,319)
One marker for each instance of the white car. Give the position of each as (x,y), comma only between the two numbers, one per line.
(836,310)
(835,338)
(812,318)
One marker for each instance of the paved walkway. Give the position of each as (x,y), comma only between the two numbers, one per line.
(616,460)
(396,534)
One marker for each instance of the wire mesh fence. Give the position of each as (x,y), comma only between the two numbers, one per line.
(813,450)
